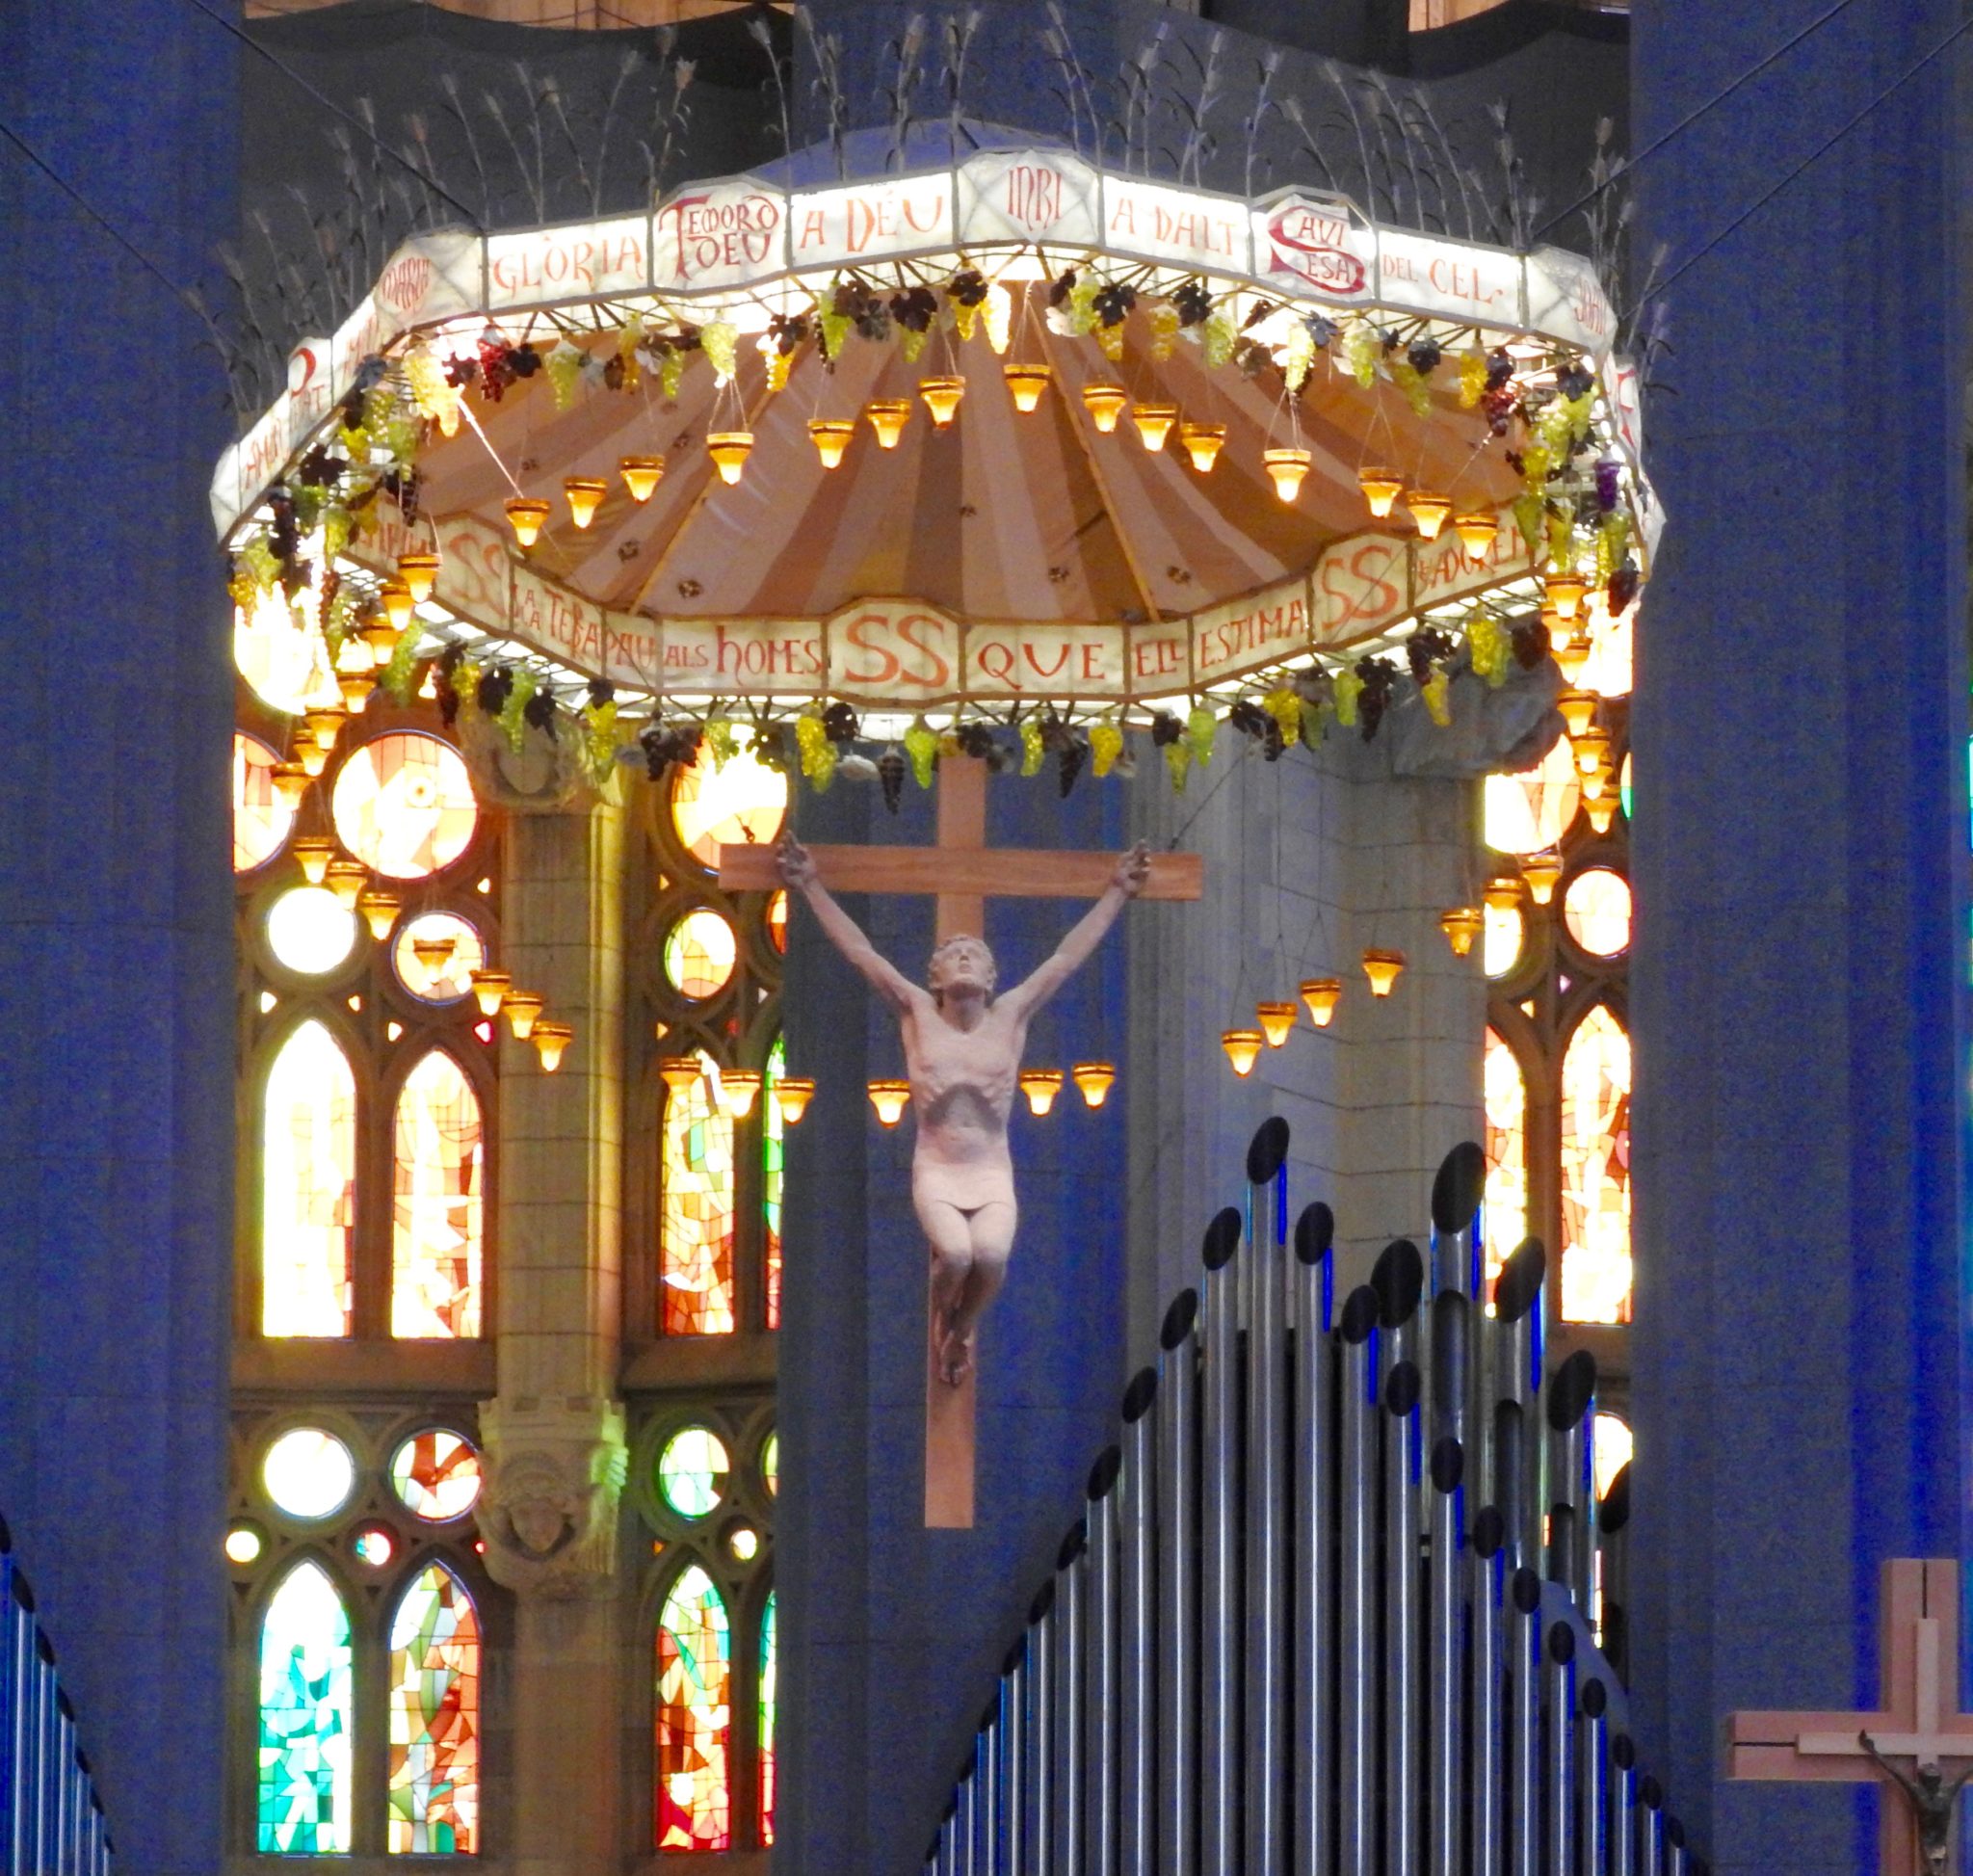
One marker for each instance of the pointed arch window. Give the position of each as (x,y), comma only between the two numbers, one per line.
(1595,1170)
(437,1214)
(434,1718)
(308,1176)
(695,1679)
(766,1720)
(306,1700)
(697,1233)
(1507,1154)
(772,1158)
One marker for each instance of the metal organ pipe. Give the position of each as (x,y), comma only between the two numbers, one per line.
(1100,1732)
(1524,1721)
(1488,1575)
(1559,1701)
(1313,1540)
(1593,1777)
(1219,1691)
(1013,1765)
(1263,1746)
(1040,1779)
(1356,1611)
(1445,1705)
(1072,1574)
(1623,1806)
(1138,1716)
(1178,1590)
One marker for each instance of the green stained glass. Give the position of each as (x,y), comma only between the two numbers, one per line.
(694,1673)
(305,1708)
(692,1471)
(767,1721)
(771,1464)
(434,1718)
(697,1214)
(773,1153)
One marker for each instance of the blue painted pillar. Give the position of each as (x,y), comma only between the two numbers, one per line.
(893,1634)
(116,904)
(1801,847)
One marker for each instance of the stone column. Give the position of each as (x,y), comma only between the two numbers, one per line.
(553,1437)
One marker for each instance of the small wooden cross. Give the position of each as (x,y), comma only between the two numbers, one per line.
(963,872)
(1920,1722)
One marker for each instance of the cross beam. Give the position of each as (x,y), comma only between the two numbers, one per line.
(964,873)
(1920,1719)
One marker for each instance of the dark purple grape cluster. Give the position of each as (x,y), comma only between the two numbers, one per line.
(1075,752)
(1113,303)
(663,747)
(1322,330)
(840,723)
(1426,648)
(914,308)
(1424,356)
(1166,730)
(1574,382)
(496,686)
(1380,679)
(538,713)
(967,287)
(1193,304)
(461,371)
(601,692)
(787,330)
(1607,472)
(1062,286)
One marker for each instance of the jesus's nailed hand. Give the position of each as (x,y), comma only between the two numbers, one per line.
(796,864)
(1133,869)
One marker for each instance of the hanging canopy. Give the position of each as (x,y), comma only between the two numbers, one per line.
(1009,556)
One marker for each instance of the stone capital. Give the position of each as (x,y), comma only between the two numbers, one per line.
(554,1475)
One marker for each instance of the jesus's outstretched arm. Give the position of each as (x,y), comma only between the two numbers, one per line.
(1084,936)
(797,870)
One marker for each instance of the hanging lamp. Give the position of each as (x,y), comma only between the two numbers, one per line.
(1041,1086)
(641,475)
(1095,1079)
(1321,995)
(1276,1022)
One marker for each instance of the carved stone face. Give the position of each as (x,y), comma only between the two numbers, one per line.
(539,1524)
(961,963)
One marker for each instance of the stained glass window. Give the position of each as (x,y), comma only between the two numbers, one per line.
(777,921)
(766,1720)
(1595,1172)
(261,820)
(434,1718)
(697,1214)
(307,1181)
(728,803)
(1596,909)
(1502,945)
(310,930)
(437,1475)
(282,658)
(694,1717)
(773,1157)
(1507,1154)
(699,954)
(693,1469)
(1528,813)
(435,955)
(438,1181)
(1613,1440)
(770,1465)
(309,1473)
(404,805)
(305,1709)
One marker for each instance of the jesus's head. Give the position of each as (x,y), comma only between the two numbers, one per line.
(962,963)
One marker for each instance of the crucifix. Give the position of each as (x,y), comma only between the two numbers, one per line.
(963,872)
(1920,1742)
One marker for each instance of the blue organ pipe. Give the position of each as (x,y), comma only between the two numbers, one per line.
(1486,1740)
(1102,1736)
(1623,1806)
(1445,1705)
(1557,1733)
(1013,1759)
(1072,1585)
(1220,1612)
(1592,1777)
(987,1817)
(1650,1827)
(1312,1548)
(1516,1328)
(964,1823)
(1402,1787)
(1357,1672)
(1178,1568)
(1138,1645)
(1264,1741)
(1041,1777)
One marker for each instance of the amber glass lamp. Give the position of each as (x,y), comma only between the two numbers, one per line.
(641,475)
(1027,382)
(522,1010)
(355,687)
(314,851)
(942,397)
(1541,871)
(889,416)
(551,1042)
(379,909)
(1477,533)
(889,1098)
(1380,490)
(1287,466)
(1203,442)
(1041,1086)
(434,953)
(1095,1079)
(1154,422)
(1105,405)
(1428,512)
(344,878)
(1382,968)
(739,1088)
(680,1072)
(794,1093)
(527,514)
(396,600)
(419,572)
(730,450)
(1578,710)
(290,783)
(1461,925)
(1321,995)
(1503,894)
(830,436)
(585,495)
(489,989)
(1566,594)
(1276,1022)
(1592,752)
(1242,1048)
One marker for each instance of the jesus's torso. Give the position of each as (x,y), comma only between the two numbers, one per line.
(962,1090)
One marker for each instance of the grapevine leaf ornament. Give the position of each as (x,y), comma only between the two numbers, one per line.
(1033,748)
(1349,690)
(1201,727)
(1106,745)
(720,344)
(1488,644)
(921,746)
(563,366)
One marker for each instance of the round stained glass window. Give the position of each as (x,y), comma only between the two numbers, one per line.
(777,921)
(1530,812)
(771,1464)
(310,930)
(435,955)
(437,1475)
(309,1473)
(244,1544)
(741,799)
(404,805)
(1596,909)
(1502,945)
(261,820)
(699,954)
(692,1471)
(374,1546)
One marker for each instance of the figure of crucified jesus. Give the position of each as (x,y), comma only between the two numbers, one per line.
(962,1053)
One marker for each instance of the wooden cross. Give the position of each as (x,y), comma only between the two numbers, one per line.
(1921,1721)
(963,872)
